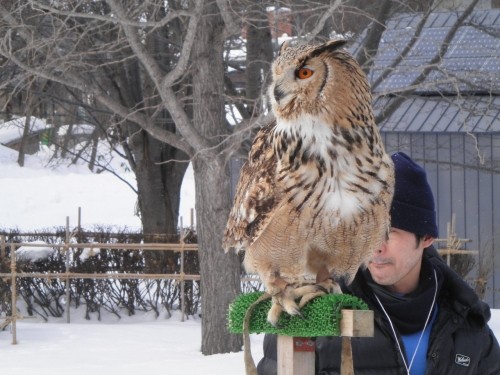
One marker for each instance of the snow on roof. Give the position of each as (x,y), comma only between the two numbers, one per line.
(77,129)
(13,129)
(36,252)
(7,154)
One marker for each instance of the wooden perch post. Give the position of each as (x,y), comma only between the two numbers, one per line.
(296,355)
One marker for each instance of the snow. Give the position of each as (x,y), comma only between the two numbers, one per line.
(38,250)
(13,129)
(34,253)
(129,346)
(37,197)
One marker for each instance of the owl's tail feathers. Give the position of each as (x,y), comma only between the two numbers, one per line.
(250,368)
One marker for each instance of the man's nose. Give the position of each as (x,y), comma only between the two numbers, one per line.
(382,247)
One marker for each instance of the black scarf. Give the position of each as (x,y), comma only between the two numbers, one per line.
(408,312)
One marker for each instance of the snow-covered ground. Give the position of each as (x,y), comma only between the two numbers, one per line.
(130,346)
(34,197)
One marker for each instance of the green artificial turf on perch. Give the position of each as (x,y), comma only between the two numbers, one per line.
(321,316)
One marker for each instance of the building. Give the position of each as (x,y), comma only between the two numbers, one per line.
(451,123)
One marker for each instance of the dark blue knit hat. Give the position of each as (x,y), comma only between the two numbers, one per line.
(412,207)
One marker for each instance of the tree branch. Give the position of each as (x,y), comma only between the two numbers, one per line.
(321,23)
(418,32)
(433,63)
(369,48)
(171,15)
(231,28)
(164,82)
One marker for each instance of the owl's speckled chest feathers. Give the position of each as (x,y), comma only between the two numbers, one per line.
(329,170)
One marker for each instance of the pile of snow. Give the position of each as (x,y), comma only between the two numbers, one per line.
(89,252)
(13,129)
(35,197)
(43,193)
(34,253)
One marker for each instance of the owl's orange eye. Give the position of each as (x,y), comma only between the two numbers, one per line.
(304,73)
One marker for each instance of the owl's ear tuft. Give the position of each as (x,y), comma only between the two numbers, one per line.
(330,46)
(284,46)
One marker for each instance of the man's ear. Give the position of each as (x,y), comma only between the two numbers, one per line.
(427,241)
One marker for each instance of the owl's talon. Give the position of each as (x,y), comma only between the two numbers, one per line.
(329,286)
(308,297)
(321,288)
(296,311)
(284,296)
(283,300)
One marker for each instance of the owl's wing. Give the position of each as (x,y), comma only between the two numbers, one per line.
(256,196)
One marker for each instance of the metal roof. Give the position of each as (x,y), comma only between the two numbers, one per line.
(471,63)
(474,114)
(460,94)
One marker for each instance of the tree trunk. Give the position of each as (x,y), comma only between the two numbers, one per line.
(153,202)
(94,146)
(259,53)
(24,139)
(158,185)
(220,273)
(370,46)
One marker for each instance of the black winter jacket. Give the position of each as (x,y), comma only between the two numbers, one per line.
(461,343)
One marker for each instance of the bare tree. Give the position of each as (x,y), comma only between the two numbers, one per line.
(158,68)
(259,52)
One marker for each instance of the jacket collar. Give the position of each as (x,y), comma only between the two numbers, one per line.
(463,299)
(455,291)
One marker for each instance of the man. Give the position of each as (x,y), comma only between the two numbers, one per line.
(427,319)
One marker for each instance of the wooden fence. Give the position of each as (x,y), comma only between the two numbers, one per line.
(67,275)
(452,241)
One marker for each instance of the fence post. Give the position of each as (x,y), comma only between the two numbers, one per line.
(79,220)
(183,282)
(13,292)
(66,250)
(2,247)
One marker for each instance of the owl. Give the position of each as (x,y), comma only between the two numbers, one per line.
(313,198)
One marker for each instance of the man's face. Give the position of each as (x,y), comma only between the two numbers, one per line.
(397,263)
